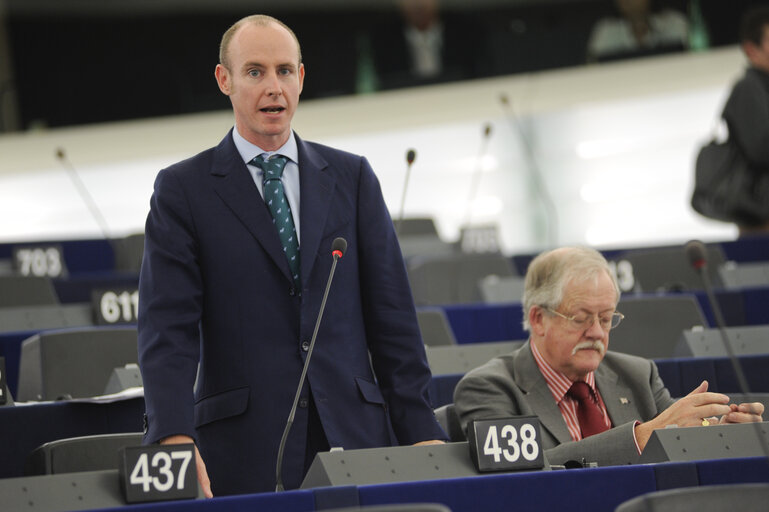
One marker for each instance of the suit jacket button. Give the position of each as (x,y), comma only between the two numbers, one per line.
(303,403)
(305,346)
(292,291)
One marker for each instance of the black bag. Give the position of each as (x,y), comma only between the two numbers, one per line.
(728,188)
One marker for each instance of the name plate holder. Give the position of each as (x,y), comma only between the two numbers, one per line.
(389,465)
(683,444)
(117,306)
(39,261)
(506,444)
(158,473)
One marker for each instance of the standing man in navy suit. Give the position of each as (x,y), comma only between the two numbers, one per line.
(220,308)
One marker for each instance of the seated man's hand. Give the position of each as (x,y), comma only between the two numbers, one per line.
(743,413)
(688,411)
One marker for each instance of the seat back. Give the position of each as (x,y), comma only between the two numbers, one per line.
(449,420)
(668,269)
(435,327)
(76,454)
(743,340)
(73,363)
(709,498)
(453,279)
(744,275)
(416,226)
(444,360)
(129,252)
(501,290)
(19,291)
(653,325)
(37,318)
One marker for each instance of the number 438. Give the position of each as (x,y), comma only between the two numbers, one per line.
(528,446)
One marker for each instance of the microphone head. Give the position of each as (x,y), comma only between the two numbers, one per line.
(339,246)
(411,155)
(695,251)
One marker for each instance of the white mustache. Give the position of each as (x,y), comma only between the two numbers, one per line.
(587,345)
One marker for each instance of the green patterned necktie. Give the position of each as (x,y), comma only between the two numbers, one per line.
(276,201)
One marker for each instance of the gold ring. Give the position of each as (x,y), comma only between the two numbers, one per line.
(705,422)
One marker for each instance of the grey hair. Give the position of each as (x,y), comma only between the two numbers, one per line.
(549,273)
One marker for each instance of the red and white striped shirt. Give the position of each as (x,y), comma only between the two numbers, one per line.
(559,385)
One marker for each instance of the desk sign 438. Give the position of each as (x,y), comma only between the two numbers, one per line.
(505,444)
(158,472)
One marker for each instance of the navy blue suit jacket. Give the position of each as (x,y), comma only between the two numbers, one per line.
(215,287)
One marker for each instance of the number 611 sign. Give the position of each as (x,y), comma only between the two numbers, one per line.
(505,444)
(158,472)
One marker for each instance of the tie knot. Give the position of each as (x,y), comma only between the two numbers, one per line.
(580,391)
(273,168)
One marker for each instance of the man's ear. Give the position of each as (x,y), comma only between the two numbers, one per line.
(301,77)
(750,49)
(536,320)
(223,79)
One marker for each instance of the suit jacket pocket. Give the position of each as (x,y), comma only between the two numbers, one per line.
(370,391)
(221,405)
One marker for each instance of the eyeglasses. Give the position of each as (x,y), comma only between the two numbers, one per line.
(583,321)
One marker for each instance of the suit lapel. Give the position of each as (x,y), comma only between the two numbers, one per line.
(617,397)
(316,187)
(233,183)
(539,397)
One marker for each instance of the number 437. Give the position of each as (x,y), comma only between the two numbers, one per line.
(163,461)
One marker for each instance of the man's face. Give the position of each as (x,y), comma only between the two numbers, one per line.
(264,81)
(567,348)
(759,55)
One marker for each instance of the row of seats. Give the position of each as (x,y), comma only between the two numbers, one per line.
(455,273)
(655,327)
(71,258)
(33,425)
(79,363)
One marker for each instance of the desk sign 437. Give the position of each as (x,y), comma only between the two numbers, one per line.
(505,444)
(158,472)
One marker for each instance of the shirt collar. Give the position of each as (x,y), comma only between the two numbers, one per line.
(249,151)
(557,382)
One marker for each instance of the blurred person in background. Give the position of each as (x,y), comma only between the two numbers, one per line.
(746,112)
(639,29)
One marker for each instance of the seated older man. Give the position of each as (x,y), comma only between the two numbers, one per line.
(592,404)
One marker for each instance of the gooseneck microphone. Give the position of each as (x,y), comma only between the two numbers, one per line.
(83,191)
(697,255)
(535,173)
(411,155)
(338,248)
(475,181)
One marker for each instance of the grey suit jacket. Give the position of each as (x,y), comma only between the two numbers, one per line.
(512,385)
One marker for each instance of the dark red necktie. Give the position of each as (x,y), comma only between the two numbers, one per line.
(589,413)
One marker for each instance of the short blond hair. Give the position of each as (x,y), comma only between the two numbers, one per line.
(256,19)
